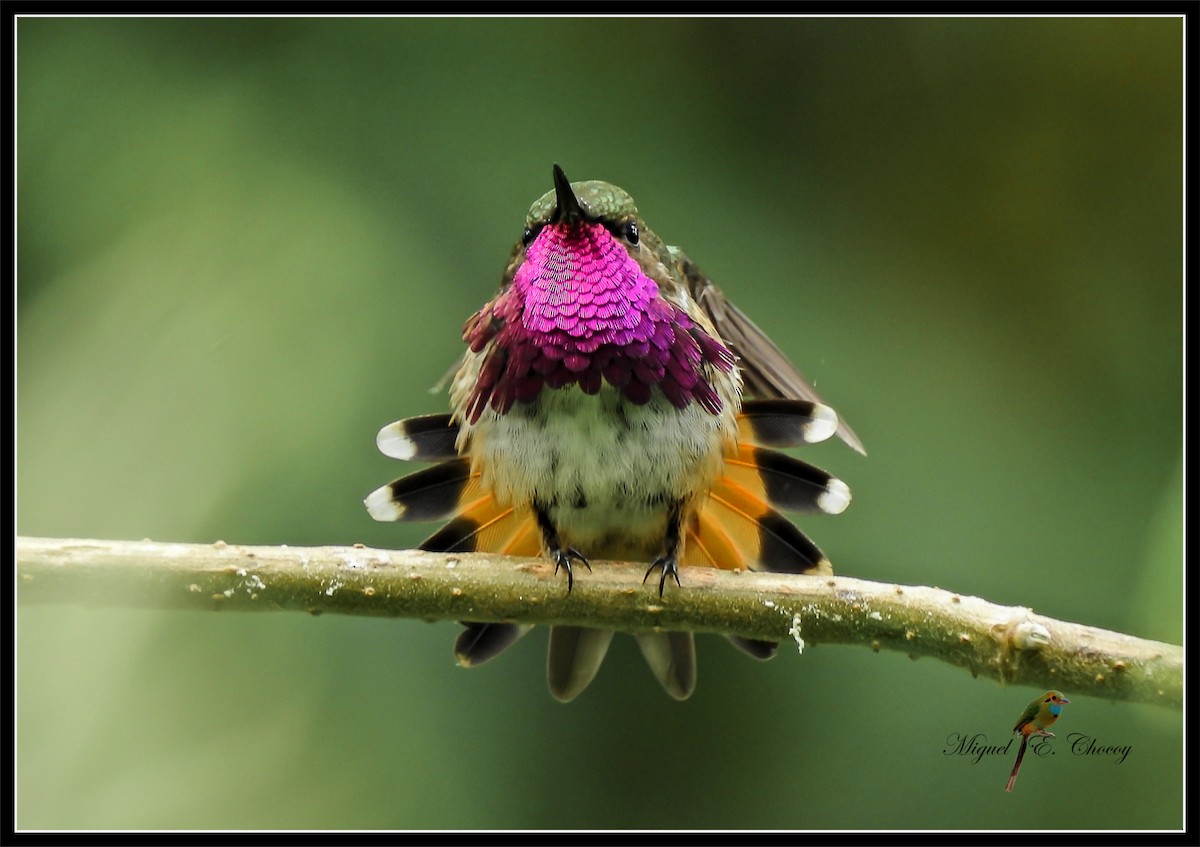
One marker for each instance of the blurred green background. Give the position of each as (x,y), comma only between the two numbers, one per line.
(244,245)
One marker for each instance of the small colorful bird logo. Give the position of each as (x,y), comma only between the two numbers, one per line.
(1038,715)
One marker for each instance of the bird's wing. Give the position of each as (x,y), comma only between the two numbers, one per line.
(1027,716)
(766,371)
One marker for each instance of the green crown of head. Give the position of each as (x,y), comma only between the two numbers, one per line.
(599,201)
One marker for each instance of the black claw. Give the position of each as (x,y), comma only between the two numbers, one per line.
(670,568)
(562,559)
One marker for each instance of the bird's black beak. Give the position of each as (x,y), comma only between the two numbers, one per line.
(569,211)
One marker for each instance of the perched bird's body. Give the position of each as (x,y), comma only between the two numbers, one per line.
(1034,722)
(598,413)
(604,472)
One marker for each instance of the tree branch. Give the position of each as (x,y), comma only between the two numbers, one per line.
(1009,644)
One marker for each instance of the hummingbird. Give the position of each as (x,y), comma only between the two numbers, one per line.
(612,403)
(1038,715)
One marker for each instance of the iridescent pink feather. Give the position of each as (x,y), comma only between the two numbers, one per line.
(581,311)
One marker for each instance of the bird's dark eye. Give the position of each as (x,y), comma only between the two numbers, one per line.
(530,234)
(631,233)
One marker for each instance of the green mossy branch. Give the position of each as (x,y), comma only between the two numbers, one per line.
(1008,644)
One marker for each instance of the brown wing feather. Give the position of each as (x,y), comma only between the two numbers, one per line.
(766,371)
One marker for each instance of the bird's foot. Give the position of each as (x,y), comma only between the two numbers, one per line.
(670,568)
(562,559)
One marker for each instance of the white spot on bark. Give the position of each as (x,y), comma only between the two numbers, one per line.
(794,632)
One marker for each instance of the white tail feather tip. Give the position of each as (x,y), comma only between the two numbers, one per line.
(823,425)
(393,442)
(382,507)
(836,497)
